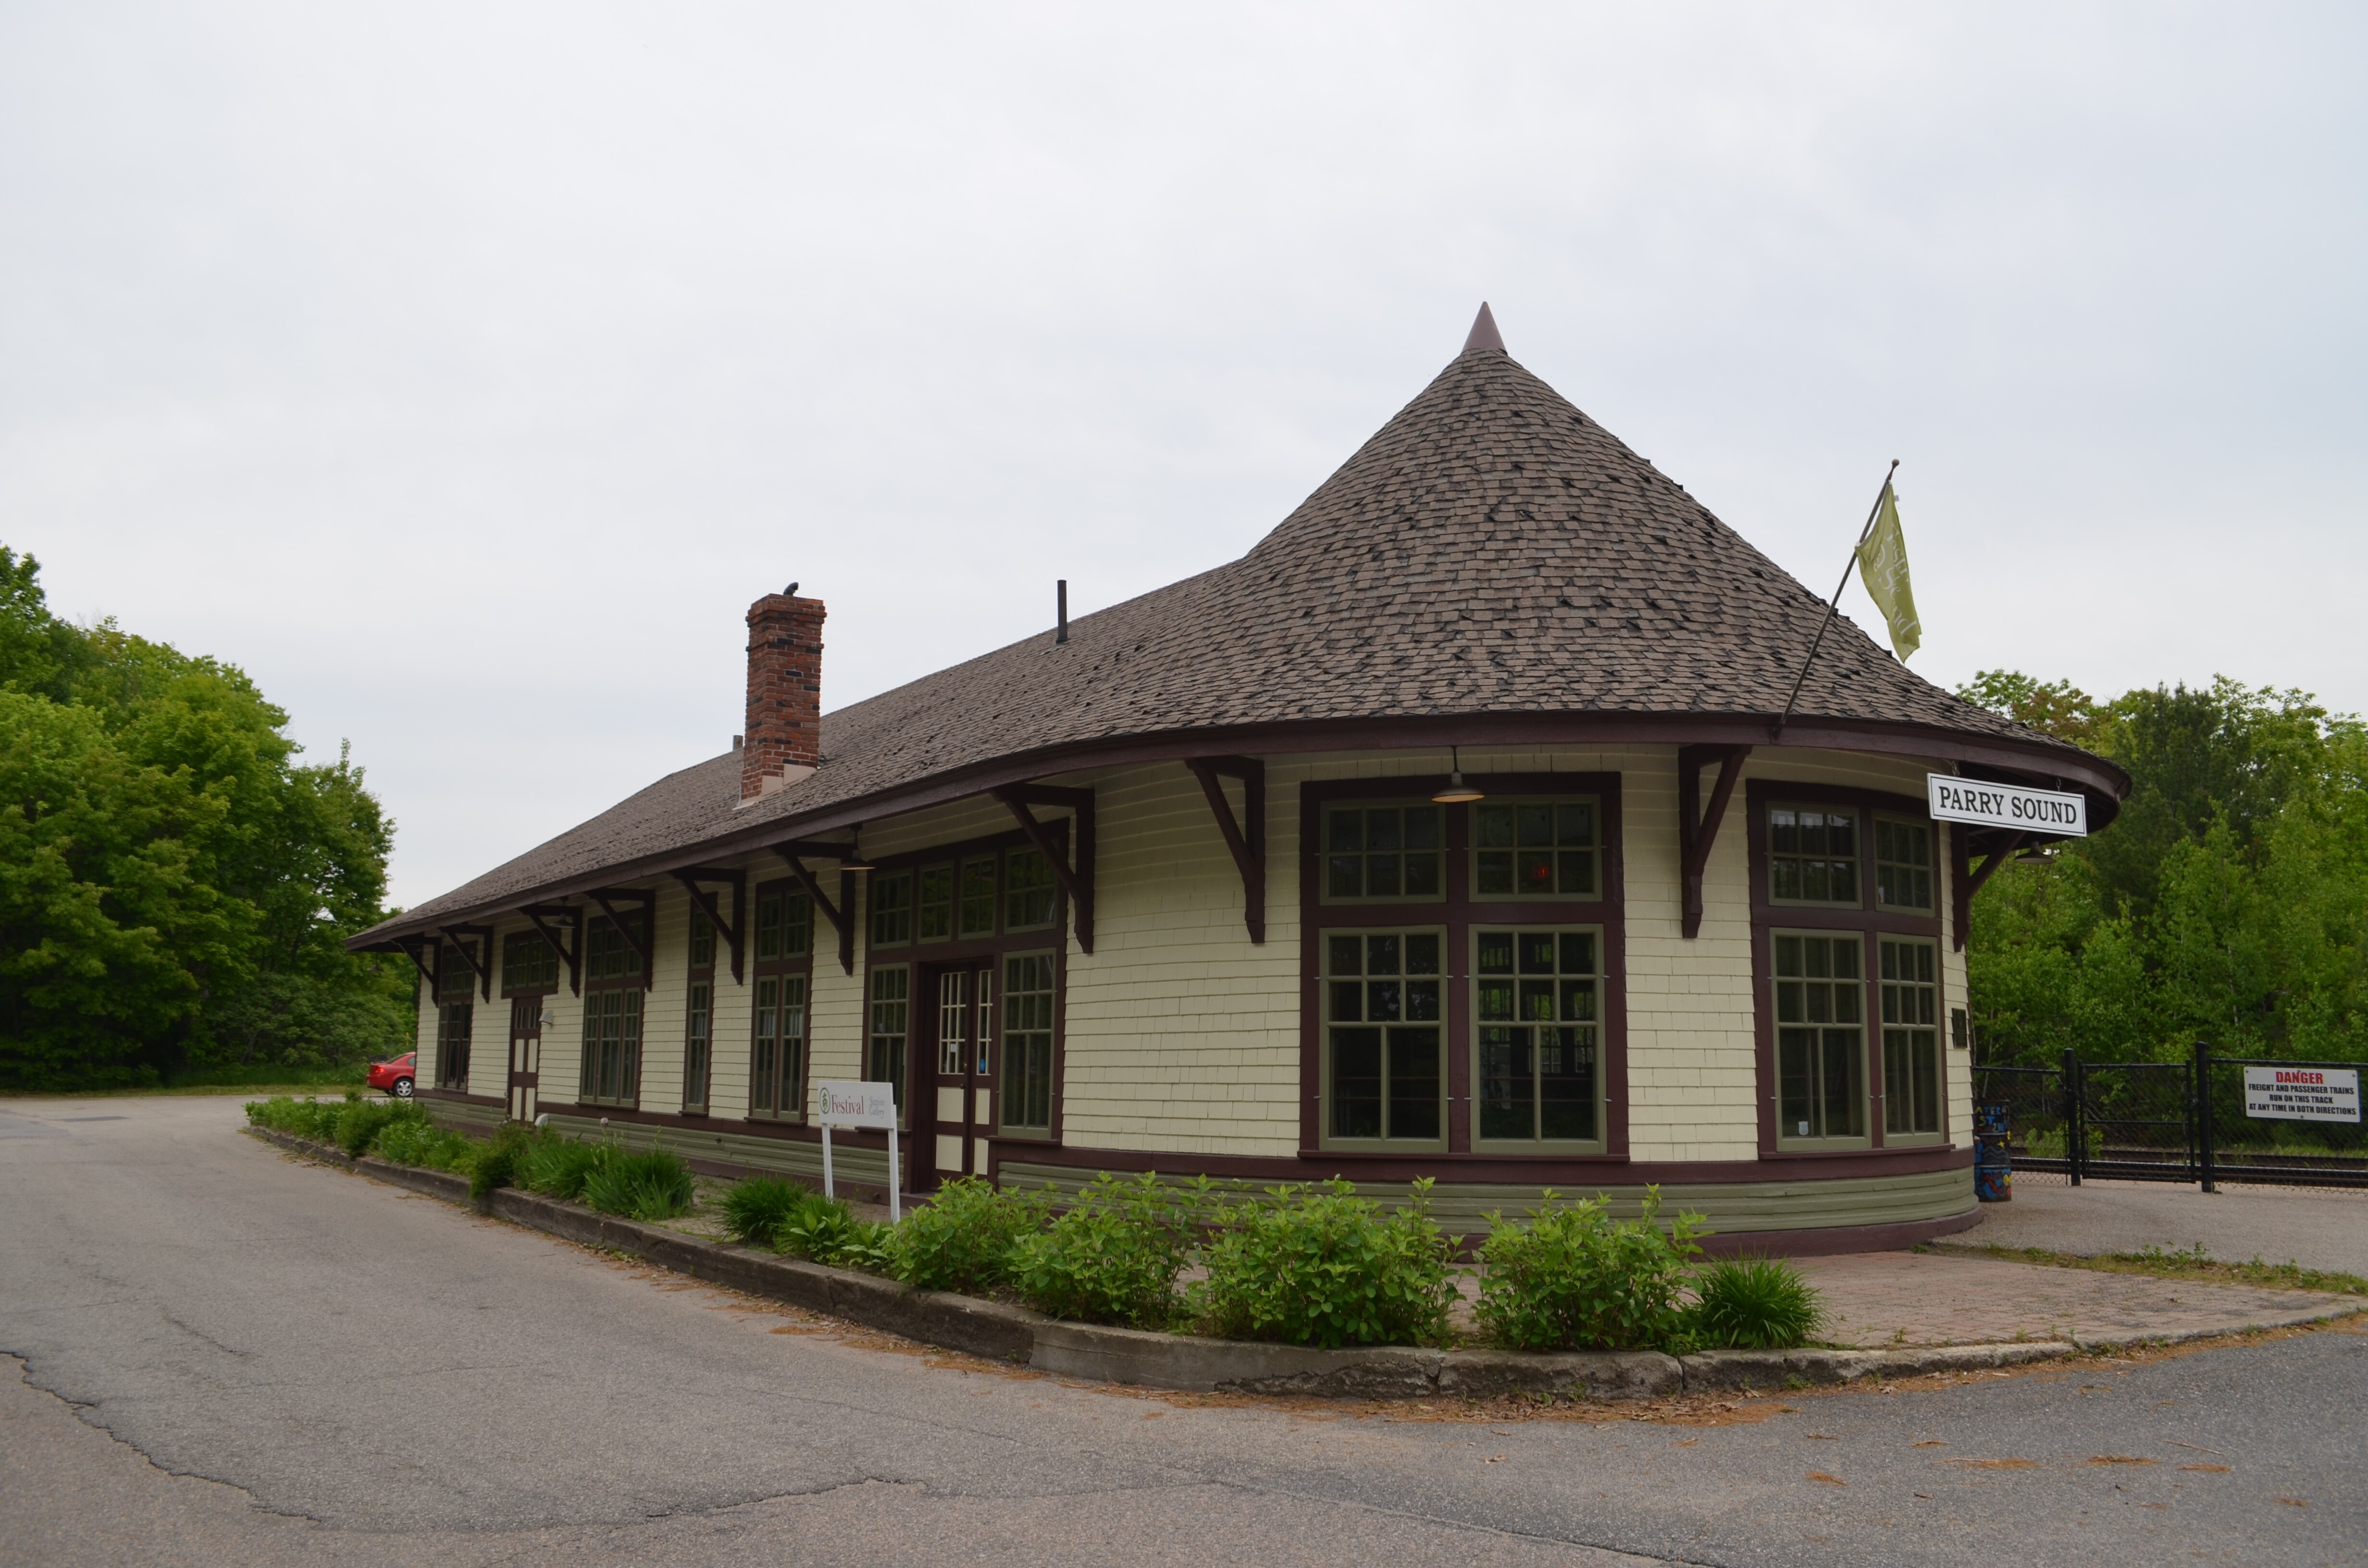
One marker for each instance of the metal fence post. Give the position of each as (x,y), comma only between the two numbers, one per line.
(2075,1139)
(2203,1116)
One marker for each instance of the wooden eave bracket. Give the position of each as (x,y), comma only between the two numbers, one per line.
(840,914)
(1969,881)
(416,950)
(1698,826)
(1248,848)
(694,882)
(571,952)
(479,936)
(645,945)
(1077,884)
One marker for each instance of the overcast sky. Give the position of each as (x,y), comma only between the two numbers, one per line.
(463,371)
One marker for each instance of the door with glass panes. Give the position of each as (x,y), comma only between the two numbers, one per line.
(525,1055)
(961,1002)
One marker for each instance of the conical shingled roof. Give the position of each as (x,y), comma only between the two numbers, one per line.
(1491,552)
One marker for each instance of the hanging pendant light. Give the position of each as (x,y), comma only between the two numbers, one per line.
(1458,792)
(853,860)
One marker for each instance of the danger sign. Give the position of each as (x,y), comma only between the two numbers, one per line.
(2303,1094)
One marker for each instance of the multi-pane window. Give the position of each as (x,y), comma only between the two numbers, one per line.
(608,955)
(891,1025)
(1027,895)
(891,909)
(1383,1038)
(1382,852)
(954,1020)
(1538,997)
(783,925)
(612,1046)
(1820,1036)
(702,940)
(697,1039)
(1813,854)
(453,1022)
(1028,1043)
(978,888)
(1543,849)
(529,965)
(933,912)
(777,1052)
(1903,864)
(1911,1037)
(455,981)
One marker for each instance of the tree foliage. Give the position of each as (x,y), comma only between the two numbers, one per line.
(175,884)
(2228,903)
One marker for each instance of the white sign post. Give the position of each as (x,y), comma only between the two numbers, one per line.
(2303,1094)
(2025,809)
(869,1106)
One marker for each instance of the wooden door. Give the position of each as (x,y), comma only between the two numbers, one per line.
(525,1055)
(961,1032)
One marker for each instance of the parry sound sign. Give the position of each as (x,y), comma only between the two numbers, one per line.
(1981,804)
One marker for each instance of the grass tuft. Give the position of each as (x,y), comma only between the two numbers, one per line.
(1754,1303)
(648,1183)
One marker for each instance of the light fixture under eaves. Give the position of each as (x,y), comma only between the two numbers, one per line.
(853,860)
(1458,792)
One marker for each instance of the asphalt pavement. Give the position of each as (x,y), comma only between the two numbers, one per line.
(224,1355)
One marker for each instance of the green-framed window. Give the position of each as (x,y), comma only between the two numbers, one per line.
(1391,853)
(454,1021)
(606,953)
(979,883)
(529,965)
(1813,856)
(698,1042)
(1820,981)
(891,909)
(1537,998)
(702,940)
(1910,989)
(784,925)
(455,981)
(612,1046)
(777,1052)
(1536,850)
(1029,889)
(1384,1037)
(1026,1101)
(933,908)
(1903,864)
(890,1026)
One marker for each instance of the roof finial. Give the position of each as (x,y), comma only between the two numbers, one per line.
(1484,332)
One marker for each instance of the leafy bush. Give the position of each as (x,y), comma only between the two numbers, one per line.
(409,1140)
(648,1183)
(962,1239)
(1573,1279)
(754,1209)
(1754,1303)
(316,1119)
(352,1124)
(361,1121)
(1320,1266)
(558,1167)
(826,1231)
(498,1159)
(1113,1257)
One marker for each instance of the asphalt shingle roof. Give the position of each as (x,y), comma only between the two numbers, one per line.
(1491,551)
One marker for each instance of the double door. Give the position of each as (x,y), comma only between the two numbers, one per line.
(525,1055)
(957,1045)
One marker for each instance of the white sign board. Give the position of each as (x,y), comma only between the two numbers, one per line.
(2303,1094)
(871,1105)
(1952,799)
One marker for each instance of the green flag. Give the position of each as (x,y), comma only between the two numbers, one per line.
(1882,567)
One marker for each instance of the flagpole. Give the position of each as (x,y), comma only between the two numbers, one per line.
(1835,604)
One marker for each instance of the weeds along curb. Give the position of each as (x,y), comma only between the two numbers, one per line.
(1002,1332)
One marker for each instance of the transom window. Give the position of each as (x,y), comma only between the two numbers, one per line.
(933,912)
(1027,1098)
(1382,852)
(1384,1040)
(1028,896)
(529,965)
(784,925)
(1813,856)
(891,1028)
(608,955)
(702,940)
(978,885)
(891,910)
(454,979)
(1820,1037)
(1537,996)
(1541,849)
(1903,864)
(1911,1038)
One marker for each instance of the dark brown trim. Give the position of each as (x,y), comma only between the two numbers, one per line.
(841,915)
(734,929)
(645,945)
(2049,764)
(572,953)
(1458,912)
(1248,851)
(1967,882)
(456,1096)
(1872,921)
(459,939)
(1697,828)
(1077,882)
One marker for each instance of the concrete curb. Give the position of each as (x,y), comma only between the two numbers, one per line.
(1003,1333)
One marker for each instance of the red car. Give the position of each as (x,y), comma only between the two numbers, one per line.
(394,1076)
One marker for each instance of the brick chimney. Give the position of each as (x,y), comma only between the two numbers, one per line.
(784,732)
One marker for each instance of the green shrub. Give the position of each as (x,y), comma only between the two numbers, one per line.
(1573,1279)
(754,1208)
(1754,1303)
(557,1166)
(1320,1266)
(498,1159)
(409,1140)
(648,1183)
(962,1239)
(1113,1257)
(826,1231)
(360,1121)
